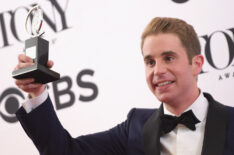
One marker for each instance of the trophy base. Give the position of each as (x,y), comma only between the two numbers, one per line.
(40,73)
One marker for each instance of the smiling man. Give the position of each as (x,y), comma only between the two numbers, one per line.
(188,122)
(173,59)
(169,73)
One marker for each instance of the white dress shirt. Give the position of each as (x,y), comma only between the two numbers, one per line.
(183,141)
(33,103)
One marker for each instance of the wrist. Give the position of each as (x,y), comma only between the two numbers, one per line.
(38,92)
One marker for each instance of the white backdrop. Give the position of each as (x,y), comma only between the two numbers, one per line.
(104,36)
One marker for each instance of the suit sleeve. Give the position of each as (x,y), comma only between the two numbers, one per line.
(50,138)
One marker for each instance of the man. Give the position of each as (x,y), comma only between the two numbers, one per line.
(171,52)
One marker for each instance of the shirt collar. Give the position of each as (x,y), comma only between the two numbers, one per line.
(199,107)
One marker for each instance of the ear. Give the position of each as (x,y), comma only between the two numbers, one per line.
(197,63)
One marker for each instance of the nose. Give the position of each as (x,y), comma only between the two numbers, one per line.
(159,68)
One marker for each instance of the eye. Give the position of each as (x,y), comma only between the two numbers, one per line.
(9,104)
(150,62)
(168,58)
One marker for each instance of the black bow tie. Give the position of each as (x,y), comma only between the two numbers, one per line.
(170,122)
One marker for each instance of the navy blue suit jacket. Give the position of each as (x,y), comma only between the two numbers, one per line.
(138,135)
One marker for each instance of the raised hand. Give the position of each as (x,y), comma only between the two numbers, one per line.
(28,85)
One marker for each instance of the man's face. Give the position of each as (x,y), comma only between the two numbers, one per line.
(168,73)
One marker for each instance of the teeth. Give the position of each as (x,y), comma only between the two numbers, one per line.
(164,83)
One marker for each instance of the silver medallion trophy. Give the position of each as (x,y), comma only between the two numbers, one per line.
(37,48)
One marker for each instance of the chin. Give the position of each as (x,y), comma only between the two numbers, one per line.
(165,98)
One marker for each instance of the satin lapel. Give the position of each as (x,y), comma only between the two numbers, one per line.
(151,133)
(215,129)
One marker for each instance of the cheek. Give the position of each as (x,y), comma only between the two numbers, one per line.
(185,77)
(148,76)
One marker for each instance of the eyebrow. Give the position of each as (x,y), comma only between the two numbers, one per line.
(147,57)
(162,54)
(168,53)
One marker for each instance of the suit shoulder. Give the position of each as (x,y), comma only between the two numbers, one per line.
(140,114)
(219,105)
(230,111)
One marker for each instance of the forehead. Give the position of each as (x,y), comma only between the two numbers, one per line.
(155,45)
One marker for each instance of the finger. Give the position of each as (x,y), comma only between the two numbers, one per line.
(30,86)
(24,81)
(22,65)
(50,63)
(24,58)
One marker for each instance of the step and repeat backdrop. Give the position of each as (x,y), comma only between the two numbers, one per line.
(95,45)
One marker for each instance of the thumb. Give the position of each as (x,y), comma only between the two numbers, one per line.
(50,63)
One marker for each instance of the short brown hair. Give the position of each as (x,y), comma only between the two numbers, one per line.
(184,31)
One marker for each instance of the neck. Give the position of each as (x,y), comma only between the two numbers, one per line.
(184,103)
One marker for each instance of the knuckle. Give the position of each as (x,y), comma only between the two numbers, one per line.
(16,82)
(20,65)
(20,57)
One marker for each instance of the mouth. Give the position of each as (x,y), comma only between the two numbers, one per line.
(164,83)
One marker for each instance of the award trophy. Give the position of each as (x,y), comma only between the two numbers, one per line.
(37,48)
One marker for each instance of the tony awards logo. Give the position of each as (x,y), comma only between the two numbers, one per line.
(37,48)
